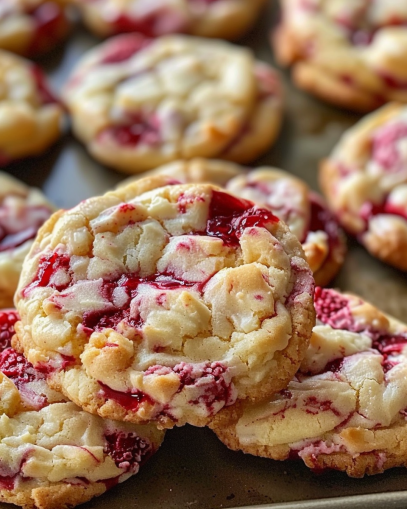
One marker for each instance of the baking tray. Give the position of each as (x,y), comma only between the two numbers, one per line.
(194,469)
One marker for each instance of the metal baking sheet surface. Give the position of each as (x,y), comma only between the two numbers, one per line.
(193,469)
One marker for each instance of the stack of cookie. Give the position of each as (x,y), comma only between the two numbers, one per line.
(158,304)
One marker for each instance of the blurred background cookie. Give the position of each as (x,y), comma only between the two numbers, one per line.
(365,183)
(137,103)
(345,408)
(52,453)
(351,53)
(30,115)
(32,27)
(22,211)
(224,19)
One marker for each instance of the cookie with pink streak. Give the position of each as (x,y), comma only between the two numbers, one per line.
(165,303)
(30,115)
(365,183)
(345,409)
(287,196)
(343,50)
(137,103)
(223,19)
(22,211)
(52,453)
(32,27)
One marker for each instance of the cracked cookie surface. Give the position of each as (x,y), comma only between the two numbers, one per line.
(287,196)
(345,409)
(365,183)
(137,103)
(344,50)
(52,453)
(165,302)
(223,19)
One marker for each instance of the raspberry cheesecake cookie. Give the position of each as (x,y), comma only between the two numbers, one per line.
(138,103)
(165,302)
(32,27)
(52,453)
(288,197)
(351,53)
(30,116)
(22,211)
(305,213)
(225,19)
(365,183)
(346,407)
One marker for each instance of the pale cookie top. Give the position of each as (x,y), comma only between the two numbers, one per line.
(30,116)
(153,18)
(46,440)
(152,101)
(31,27)
(353,378)
(365,179)
(361,42)
(287,196)
(165,303)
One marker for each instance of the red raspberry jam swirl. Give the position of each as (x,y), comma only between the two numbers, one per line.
(22,373)
(44,92)
(51,24)
(333,309)
(128,450)
(141,130)
(323,220)
(384,146)
(7,320)
(15,229)
(159,22)
(210,378)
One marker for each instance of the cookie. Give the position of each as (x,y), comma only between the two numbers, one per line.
(53,454)
(22,211)
(305,213)
(365,183)
(30,116)
(137,103)
(32,27)
(165,302)
(346,407)
(343,51)
(224,19)
(286,196)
